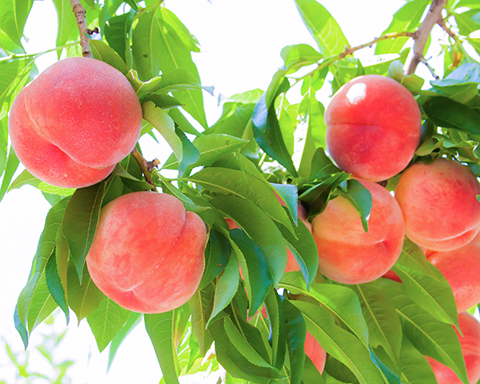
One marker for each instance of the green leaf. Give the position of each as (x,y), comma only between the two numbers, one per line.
(103,52)
(201,304)
(190,153)
(322,26)
(117,34)
(431,291)
(415,368)
(106,321)
(430,336)
(36,288)
(276,318)
(42,303)
(66,23)
(339,343)
(211,148)
(322,166)
(451,114)
(178,80)
(26,178)
(10,168)
(13,16)
(295,333)
(304,249)
(259,227)
(405,19)
(83,298)
(298,56)
(226,287)
(160,330)
(132,321)
(22,331)
(217,254)
(266,127)
(384,327)
(361,199)
(164,125)
(246,186)
(254,267)
(466,22)
(80,222)
(339,300)
(55,286)
(315,137)
(235,119)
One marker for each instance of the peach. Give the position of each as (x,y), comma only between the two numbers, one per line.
(347,253)
(147,254)
(461,268)
(373,127)
(315,352)
(74,122)
(439,204)
(470,343)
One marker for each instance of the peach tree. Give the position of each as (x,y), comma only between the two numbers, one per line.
(309,266)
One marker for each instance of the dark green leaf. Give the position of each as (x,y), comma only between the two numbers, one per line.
(160,330)
(190,153)
(80,222)
(106,321)
(361,199)
(295,332)
(55,286)
(255,269)
(450,114)
(259,227)
(217,254)
(276,318)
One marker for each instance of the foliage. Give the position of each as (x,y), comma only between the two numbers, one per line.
(231,169)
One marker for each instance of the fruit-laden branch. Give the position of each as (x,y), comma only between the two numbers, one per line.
(420,36)
(79,12)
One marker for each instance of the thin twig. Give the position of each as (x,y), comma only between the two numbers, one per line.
(441,23)
(79,12)
(421,34)
(144,166)
(350,50)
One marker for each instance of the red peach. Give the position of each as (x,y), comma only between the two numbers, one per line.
(147,254)
(470,343)
(461,268)
(315,352)
(373,127)
(74,122)
(347,253)
(439,204)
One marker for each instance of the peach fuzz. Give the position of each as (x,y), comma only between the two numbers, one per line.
(470,343)
(347,253)
(373,127)
(147,254)
(439,204)
(461,268)
(74,122)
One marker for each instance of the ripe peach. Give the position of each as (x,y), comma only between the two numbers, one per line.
(470,343)
(439,204)
(461,268)
(373,127)
(74,122)
(147,254)
(347,253)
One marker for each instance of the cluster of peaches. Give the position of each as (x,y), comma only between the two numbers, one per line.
(70,132)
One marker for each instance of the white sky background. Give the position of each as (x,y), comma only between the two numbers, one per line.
(241,43)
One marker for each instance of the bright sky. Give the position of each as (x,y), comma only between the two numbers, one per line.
(241,43)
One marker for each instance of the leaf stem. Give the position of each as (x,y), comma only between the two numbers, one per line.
(14,56)
(144,167)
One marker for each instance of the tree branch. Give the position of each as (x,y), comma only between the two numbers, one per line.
(79,12)
(421,34)
(145,166)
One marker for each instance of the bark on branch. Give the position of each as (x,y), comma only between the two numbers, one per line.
(421,34)
(79,12)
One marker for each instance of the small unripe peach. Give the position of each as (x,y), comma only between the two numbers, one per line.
(147,254)
(74,122)
(373,127)
(439,204)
